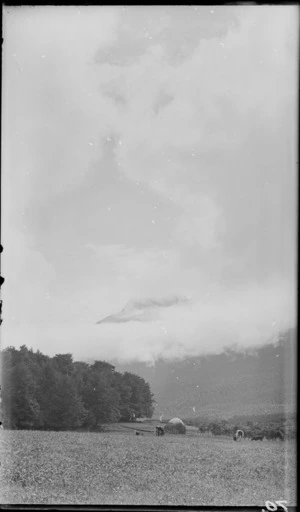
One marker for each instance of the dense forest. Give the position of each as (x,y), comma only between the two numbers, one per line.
(42,392)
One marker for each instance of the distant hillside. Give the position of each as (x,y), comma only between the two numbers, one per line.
(262,381)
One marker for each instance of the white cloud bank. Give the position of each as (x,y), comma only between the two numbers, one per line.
(200,326)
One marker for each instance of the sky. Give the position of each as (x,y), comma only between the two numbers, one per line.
(149,172)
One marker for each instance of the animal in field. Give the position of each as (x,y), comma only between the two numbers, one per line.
(159,431)
(138,433)
(239,435)
(257,438)
(277,435)
(271,434)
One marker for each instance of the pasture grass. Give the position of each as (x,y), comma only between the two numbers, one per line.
(124,469)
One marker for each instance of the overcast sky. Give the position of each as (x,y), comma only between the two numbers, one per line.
(149,157)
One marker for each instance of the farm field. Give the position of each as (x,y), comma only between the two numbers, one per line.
(121,468)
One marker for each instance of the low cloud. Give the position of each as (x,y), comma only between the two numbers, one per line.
(198,326)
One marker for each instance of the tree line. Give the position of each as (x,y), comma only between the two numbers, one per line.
(266,425)
(57,393)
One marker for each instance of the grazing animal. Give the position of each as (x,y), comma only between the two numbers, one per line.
(277,435)
(138,433)
(270,434)
(257,438)
(239,435)
(159,431)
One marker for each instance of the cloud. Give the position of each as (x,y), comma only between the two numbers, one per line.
(201,144)
(145,310)
(193,109)
(201,326)
(50,76)
(35,275)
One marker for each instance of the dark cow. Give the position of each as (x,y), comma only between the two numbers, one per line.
(138,433)
(159,431)
(270,434)
(257,438)
(279,435)
(276,435)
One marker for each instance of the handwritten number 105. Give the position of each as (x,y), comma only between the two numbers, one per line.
(274,506)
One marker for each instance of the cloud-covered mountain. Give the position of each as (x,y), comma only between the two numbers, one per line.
(143,310)
(254,381)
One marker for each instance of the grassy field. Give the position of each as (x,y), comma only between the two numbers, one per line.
(121,468)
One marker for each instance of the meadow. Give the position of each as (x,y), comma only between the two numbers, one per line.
(122,468)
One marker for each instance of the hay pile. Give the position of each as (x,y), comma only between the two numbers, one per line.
(175,426)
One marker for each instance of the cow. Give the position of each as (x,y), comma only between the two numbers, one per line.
(257,438)
(138,433)
(276,435)
(271,434)
(159,431)
(239,435)
(279,435)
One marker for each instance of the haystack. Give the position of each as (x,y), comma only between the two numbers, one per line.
(176,421)
(175,426)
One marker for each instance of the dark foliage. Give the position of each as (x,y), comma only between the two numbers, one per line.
(265,426)
(55,393)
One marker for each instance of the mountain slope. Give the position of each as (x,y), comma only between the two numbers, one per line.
(258,382)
